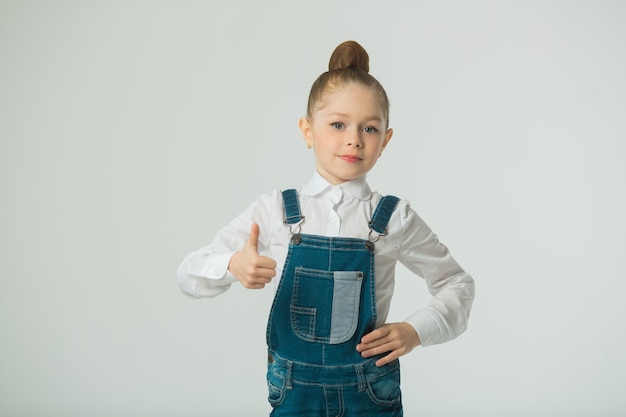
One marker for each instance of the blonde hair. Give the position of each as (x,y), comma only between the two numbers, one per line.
(349,63)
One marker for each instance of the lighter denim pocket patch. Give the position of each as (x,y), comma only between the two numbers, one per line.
(346,302)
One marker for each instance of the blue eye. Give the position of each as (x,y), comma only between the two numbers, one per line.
(337,125)
(370,129)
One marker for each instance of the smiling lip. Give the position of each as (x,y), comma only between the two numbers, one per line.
(350,158)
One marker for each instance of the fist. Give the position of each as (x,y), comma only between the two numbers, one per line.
(251,269)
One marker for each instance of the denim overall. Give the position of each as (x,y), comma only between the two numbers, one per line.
(325,303)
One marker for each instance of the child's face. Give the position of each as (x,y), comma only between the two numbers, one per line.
(347,133)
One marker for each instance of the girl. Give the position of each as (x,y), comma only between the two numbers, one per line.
(334,244)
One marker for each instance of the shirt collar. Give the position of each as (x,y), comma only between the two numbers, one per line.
(357,188)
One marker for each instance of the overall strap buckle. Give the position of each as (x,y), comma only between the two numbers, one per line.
(380,219)
(292,214)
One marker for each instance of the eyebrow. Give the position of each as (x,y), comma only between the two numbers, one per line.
(369,118)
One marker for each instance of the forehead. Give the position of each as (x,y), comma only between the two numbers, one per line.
(350,98)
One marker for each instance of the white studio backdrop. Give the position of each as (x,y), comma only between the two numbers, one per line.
(131,131)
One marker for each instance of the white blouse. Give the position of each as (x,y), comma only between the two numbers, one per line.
(344,210)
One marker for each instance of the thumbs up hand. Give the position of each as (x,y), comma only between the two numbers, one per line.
(251,269)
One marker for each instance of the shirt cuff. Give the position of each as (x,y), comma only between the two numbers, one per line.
(426,326)
(217,266)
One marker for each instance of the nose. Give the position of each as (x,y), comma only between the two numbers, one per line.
(354,139)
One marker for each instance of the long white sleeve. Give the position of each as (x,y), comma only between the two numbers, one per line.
(452,288)
(203,273)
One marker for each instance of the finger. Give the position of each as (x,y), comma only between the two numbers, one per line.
(253,241)
(263,275)
(254,286)
(263,267)
(257,279)
(387,359)
(375,335)
(267,263)
(377,350)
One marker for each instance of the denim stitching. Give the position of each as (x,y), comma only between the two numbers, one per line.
(274,302)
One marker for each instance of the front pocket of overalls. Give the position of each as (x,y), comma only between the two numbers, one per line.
(325,304)
(275,384)
(384,389)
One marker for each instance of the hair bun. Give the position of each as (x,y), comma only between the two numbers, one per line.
(349,54)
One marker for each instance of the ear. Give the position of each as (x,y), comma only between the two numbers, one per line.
(386,139)
(305,128)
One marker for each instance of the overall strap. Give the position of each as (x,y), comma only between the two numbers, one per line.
(292,207)
(382,214)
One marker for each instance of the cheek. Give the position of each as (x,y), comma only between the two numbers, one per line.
(375,151)
(325,142)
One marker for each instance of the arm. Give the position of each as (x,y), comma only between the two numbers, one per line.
(452,288)
(210,270)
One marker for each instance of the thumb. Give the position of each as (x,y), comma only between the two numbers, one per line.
(253,241)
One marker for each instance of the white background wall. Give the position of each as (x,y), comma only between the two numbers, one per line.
(132,130)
